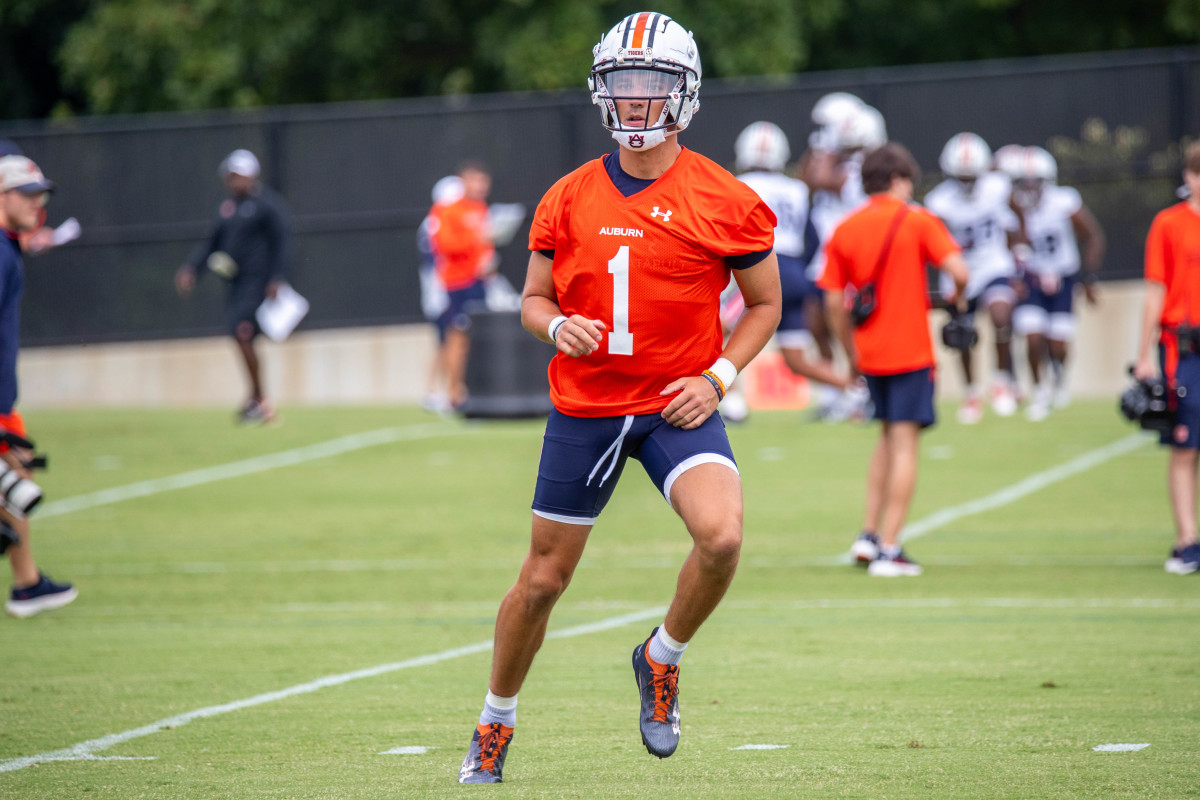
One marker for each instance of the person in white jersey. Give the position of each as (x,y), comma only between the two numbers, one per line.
(762,152)
(1058,226)
(973,201)
(832,168)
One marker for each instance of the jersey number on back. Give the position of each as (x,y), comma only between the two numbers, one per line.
(620,341)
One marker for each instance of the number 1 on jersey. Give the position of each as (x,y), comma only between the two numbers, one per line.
(620,340)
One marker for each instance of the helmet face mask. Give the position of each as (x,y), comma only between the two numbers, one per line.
(646,59)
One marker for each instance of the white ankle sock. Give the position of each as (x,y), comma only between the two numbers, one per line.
(499,709)
(665,650)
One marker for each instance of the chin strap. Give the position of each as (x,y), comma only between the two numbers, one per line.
(640,140)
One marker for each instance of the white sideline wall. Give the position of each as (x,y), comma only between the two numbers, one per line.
(389,364)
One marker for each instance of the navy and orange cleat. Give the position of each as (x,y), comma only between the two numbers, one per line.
(485,757)
(658,685)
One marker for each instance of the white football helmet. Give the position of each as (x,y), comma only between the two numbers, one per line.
(1008,159)
(864,130)
(1038,165)
(644,58)
(966,156)
(834,108)
(762,145)
(448,190)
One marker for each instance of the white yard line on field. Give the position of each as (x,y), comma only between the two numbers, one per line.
(85,751)
(1034,483)
(938,519)
(249,466)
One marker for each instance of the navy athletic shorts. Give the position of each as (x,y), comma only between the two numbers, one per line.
(994,287)
(458,313)
(903,397)
(582,459)
(796,287)
(1186,431)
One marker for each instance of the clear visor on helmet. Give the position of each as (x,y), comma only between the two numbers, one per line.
(639,83)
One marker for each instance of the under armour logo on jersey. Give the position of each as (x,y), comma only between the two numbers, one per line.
(666,215)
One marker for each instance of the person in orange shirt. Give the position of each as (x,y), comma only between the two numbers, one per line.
(460,232)
(880,253)
(630,253)
(1172,309)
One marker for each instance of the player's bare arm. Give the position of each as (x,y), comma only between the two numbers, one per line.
(955,266)
(839,323)
(575,335)
(697,397)
(1091,238)
(1152,306)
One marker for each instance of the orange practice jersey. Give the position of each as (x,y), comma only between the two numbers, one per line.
(462,242)
(651,267)
(1173,259)
(896,337)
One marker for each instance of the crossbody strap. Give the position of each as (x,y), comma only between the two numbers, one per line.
(887,242)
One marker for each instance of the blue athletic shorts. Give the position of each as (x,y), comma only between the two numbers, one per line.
(1185,433)
(461,303)
(1054,303)
(904,397)
(796,286)
(582,459)
(996,287)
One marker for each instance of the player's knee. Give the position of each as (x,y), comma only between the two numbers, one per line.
(244,332)
(722,546)
(543,587)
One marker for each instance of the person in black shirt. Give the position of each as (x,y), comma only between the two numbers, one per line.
(248,247)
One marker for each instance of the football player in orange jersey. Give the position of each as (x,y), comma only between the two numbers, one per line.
(630,253)
(1172,310)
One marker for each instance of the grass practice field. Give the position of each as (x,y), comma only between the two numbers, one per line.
(1044,626)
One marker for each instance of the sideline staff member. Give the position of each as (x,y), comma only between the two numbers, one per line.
(248,247)
(1173,306)
(24,191)
(887,243)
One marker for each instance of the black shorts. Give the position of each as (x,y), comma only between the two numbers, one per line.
(242,306)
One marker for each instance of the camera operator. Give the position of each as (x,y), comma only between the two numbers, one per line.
(1172,306)
(23,193)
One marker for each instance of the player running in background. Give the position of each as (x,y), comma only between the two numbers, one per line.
(1172,310)
(762,153)
(973,201)
(880,252)
(832,169)
(461,234)
(248,247)
(1057,226)
(23,194)
(630,253)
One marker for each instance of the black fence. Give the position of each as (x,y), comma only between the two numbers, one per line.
(358,176)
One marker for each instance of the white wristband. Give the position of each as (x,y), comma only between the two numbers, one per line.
(552,330)
(724,369)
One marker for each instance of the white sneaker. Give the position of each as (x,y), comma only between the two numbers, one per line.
(897,566)
(971,411)
(1039,408)
(1062,396)
(734,407)
(865,548)
(1004,402)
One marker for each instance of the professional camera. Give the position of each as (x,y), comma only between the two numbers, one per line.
(959,333)
(21,495)
(1148,404)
